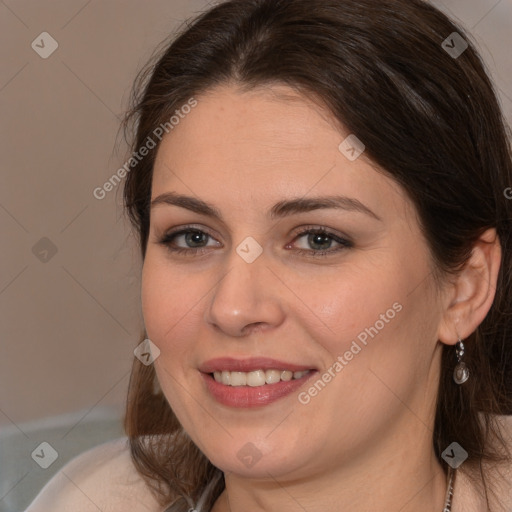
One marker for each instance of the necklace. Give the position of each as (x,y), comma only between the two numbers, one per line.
(449,491)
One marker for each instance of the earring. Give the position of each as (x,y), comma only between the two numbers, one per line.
(461,372)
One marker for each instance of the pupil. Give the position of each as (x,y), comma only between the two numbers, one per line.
(317,239)
(194,237)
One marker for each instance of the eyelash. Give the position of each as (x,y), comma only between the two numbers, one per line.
(168,238)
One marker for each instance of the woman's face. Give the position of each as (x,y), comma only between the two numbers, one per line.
(249,283)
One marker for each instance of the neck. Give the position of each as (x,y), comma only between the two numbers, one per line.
(397,482)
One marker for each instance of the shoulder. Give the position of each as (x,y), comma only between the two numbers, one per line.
(102,478)
(469,491)
(502,474)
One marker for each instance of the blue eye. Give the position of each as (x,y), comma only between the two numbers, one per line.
(194,238)
(321,237)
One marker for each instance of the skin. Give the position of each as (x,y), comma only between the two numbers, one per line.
(365,441)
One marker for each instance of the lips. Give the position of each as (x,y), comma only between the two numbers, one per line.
(243,397)
(223,378)
(248,365)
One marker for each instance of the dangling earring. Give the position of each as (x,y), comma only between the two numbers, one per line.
(461,372)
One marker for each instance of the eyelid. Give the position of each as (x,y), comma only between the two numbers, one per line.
(186,228)
(320,228)
(296,232)
(183,230)
(343,241)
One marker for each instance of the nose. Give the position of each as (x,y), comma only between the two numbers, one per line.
(248,298)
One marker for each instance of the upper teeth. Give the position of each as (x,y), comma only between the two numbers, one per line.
(256,377)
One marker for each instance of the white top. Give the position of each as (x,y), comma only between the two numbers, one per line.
(102,478)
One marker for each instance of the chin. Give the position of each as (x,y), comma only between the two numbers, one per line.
(256,456)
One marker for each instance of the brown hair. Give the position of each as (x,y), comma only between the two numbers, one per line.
(430,120)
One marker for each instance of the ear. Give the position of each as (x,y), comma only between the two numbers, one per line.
(470,295)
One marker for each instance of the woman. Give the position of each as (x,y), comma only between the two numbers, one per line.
(319,190)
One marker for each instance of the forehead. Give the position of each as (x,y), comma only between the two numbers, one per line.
(257,143)
(275,118)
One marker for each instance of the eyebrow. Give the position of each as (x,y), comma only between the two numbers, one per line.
(281,209)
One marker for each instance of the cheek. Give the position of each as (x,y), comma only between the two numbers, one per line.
(153,297)
(383,327)
(365,330)
(166,308)
(374,317)
(353,298)
(170,315)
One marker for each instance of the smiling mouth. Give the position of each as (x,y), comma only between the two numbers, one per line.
(257,377)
